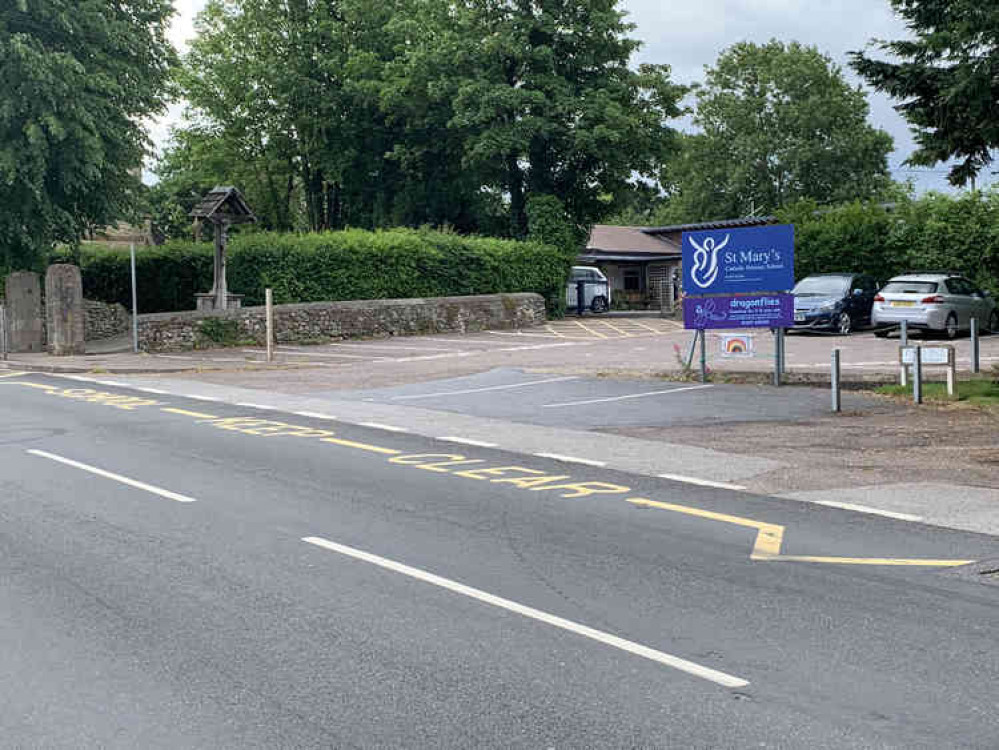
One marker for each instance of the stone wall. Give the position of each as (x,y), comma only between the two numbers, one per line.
(105,321)
(319,321)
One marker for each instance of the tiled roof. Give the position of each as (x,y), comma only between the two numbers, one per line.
(628,241)
(722,224)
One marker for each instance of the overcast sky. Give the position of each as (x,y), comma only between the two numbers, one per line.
(689,34)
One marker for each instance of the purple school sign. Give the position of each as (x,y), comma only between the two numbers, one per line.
(750,311)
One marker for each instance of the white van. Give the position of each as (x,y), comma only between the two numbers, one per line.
(597,296)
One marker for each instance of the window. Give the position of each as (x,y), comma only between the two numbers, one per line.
(910,287)
(632,280)
(960,286)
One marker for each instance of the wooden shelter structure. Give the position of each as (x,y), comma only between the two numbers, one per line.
(223,206)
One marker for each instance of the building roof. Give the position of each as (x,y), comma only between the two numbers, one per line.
(224,203)
(753,221)
(627,241)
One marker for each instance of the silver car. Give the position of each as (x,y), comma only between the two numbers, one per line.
(596,289)
(940,302)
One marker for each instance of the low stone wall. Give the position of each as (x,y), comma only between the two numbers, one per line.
(104,321)
(319,321)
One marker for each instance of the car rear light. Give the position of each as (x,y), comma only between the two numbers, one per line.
(936,299)
(878,298)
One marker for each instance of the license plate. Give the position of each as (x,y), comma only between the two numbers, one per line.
(799,317)
(903,303)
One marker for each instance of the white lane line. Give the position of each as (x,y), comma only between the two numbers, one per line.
(530,335)
(484,389)
(155,391)
(571,459)
(112,383)
(115,477)
(466,441)
(390,347)
(200,398)
(327,355)
(869,510)
(380,426)
(314,415)
(676,662)
(248,405)
(625,398)
(702,482)
(535,347)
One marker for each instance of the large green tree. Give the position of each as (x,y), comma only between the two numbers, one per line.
(778,123)
(77,77)
(947,78)
(427,111)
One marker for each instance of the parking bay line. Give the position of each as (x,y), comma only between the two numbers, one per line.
(114,477)
(625,398)
(669,660)
(506,387)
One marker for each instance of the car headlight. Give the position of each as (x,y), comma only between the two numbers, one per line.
(829,308)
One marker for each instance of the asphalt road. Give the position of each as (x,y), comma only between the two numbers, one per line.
(593,403)
(187,574)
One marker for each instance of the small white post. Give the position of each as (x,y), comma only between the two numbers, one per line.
(951,371)
(269,304)
(135,305)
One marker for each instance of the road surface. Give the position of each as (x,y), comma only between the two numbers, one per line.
(188,574)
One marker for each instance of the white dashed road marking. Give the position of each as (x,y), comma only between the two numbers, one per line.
(484,389)
(625,398)
(114,477)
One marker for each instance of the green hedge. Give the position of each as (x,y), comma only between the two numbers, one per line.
(935,232)
(347,265)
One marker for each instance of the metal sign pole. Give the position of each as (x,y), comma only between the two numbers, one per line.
(3,333)
(269,302)
(834,381)
(777,356)
(976,362)
(704,355)
(135,305)
(917,375)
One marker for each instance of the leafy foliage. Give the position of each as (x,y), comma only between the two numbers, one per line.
(947,79)
(328,266)
(420,112)
(76,78)
(935,232)
(779,124)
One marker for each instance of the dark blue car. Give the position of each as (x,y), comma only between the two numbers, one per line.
(836,302)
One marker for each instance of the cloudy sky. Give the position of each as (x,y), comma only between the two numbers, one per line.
(689,34)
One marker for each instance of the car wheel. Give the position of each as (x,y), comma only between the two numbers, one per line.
(599,305)
(950,327)
(844,324)
(994,322)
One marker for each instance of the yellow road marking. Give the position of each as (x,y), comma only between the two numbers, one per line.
(26,384)
(554,332)
(363,446)
(610,325)
(649,328)
(590,330)
(12,374)
(770,537)
(186,413)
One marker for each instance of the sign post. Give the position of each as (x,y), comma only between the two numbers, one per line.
(739,278)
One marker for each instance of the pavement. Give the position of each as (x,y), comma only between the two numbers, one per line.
(185,573)
(635,346)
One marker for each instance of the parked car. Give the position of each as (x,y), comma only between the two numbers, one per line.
(940,302)
(597,294)
(833,301)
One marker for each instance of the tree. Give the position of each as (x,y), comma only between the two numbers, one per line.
(547,104)
(778,123)
(76,79)
(947,80)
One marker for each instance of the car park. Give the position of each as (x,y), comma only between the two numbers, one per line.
(939,302)
(596,293)
(839,302)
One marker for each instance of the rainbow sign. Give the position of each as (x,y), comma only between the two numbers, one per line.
(736,345)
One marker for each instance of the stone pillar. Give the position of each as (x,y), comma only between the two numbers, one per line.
(64,307)
(25,324)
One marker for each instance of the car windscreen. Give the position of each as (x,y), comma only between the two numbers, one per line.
(910,287)
(825,286)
